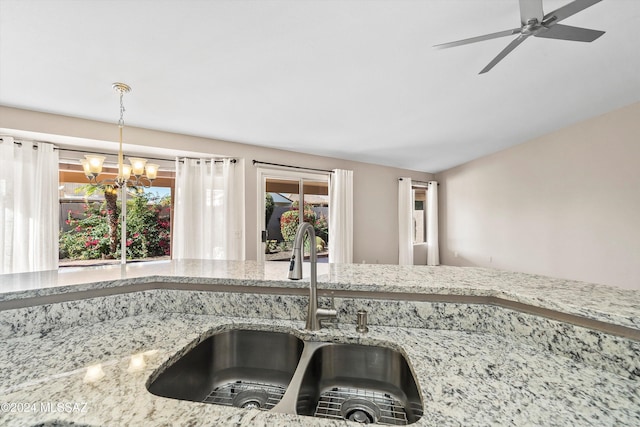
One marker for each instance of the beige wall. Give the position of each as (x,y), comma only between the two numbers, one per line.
(565,205)
(375,187)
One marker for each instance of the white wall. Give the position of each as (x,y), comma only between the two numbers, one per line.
(375,187)
(565,205)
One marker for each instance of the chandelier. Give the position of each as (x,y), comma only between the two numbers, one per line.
(143,173)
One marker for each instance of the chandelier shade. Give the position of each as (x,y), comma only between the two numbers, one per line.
(125,172)
(152,171)
(93,164)
(137,165)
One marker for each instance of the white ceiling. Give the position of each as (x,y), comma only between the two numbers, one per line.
(351,79)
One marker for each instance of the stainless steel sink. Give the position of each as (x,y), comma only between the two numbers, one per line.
(277,371)
(243,368)
(359,383)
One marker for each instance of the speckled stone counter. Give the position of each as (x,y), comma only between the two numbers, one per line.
(475,364)
(604,303)
(465,378)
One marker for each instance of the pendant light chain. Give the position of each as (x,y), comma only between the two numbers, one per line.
(122,110)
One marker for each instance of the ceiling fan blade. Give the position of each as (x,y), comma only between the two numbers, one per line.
(568,10)
(504,52)
(566,32)
(530,9)
(479,38)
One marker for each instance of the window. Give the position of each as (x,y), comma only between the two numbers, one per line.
(419,214)
(89,218)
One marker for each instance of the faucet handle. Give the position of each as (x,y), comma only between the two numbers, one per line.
(315,317)
(327,313)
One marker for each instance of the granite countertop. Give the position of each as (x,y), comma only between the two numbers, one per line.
(598,302)
(501,375)
(464,378)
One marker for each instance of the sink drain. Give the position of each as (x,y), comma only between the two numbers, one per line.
(360,410)
(250,399)
(361,405)
(243,394)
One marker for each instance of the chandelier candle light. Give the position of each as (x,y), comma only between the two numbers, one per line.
(143,172)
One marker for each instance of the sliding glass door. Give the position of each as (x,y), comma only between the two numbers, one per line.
(286,198)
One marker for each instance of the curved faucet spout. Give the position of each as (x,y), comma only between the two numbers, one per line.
(295,267)
(314,314)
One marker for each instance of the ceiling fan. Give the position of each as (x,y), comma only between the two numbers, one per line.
(535,23)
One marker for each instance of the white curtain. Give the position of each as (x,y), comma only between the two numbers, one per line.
(29,206)
(433,251)
(405,222)
(209,210)
(341,217)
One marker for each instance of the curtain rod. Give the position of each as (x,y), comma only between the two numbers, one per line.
(422,183)
(35,147)
(256,162)
(70,150)
(162,159)
(207,160)
(112,154)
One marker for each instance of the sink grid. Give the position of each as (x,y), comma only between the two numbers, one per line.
(227,393)
(392,411)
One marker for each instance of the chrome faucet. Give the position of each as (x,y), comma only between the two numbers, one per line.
(314,314)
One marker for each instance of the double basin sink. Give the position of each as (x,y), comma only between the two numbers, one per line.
(279,372)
